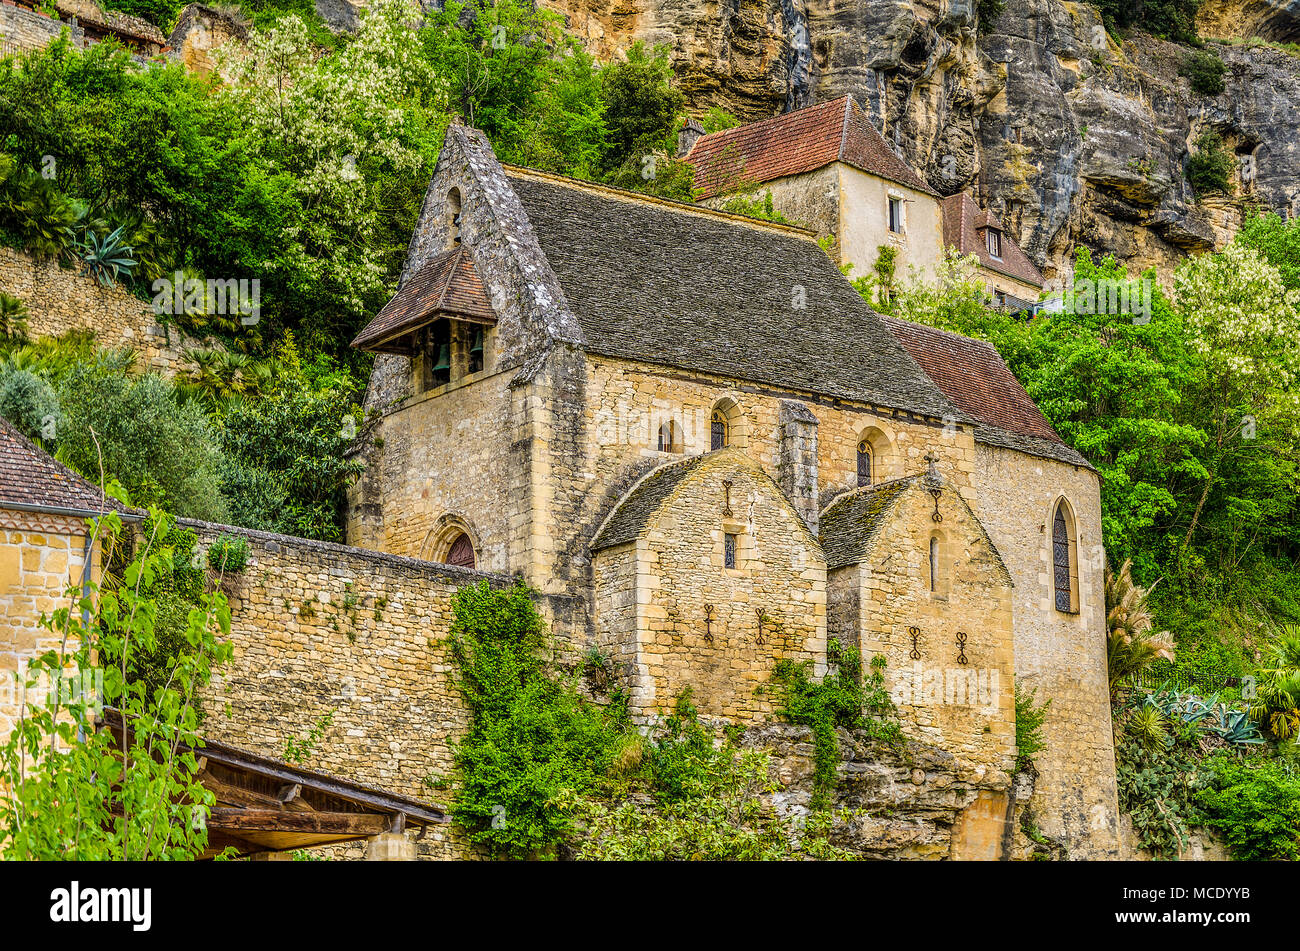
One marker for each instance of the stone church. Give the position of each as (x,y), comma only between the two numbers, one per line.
(688,427)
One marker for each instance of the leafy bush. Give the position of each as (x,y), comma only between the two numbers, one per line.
(13,318)
(284,467)
(1210,166)
(1204,71)
(1030,717)
(161,450)
(1157,784)
(534,746)
(40,215)
(840,699)
(133,801)
(1255,808)
(228,554)
(28,402)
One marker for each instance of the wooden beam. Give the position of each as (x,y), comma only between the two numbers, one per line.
(278,820)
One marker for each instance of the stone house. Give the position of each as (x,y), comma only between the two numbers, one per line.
(828,168)
(1013,281)
(44,548)
(688,425)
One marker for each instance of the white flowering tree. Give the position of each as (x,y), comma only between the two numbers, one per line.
(353,134)
(1244,324)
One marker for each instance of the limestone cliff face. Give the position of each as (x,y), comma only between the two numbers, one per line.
(1076,140)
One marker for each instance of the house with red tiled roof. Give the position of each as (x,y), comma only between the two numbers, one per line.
(829,169)
(45,548)
(1013,280)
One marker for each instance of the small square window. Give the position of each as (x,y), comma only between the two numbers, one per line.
(729,550)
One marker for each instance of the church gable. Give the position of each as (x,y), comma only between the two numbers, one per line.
(933,598)
(705,577)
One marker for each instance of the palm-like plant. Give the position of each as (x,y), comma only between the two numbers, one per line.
(1276,705)
(1130,645)
(13,317)
(218,376)
(42,216)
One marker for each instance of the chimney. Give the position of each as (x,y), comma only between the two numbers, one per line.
(797,463)
(686,139)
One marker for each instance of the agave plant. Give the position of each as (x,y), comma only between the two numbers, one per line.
(13,318)
(153,253)
(1207,715)
(105,258)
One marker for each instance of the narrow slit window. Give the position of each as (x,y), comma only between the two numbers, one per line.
(934,565)
(728,550)
(668,437)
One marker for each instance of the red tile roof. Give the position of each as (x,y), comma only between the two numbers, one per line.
(446,286)
(963,224)
(29,476)
(799,141)
(974,377)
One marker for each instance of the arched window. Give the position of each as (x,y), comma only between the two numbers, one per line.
(864,463)
(461,552)
(934,565)
(1063,564)
(717,430)
(669,440)
(453,218)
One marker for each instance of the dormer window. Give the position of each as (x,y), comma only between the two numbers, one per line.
(994,239)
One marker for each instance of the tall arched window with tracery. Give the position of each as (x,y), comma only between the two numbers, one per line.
(1063,575)
(864,463)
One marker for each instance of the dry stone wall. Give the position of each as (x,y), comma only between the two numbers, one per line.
(320,629)
(61,299)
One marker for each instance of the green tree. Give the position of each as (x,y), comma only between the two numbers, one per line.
(162,450)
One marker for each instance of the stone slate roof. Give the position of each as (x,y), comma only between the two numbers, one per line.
(973,375)
(850,522)
(963,221)
(671,284)
(634,511)
(447,285)
(800,141)
(29,476)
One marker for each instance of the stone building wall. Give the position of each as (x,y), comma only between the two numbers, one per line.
(320,628)
(40,556)
(1062,655)
(810,199)
(61,299)
(625,403)
(967,708)
(24,29)
(437,464)
(864,216)
(697,623)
